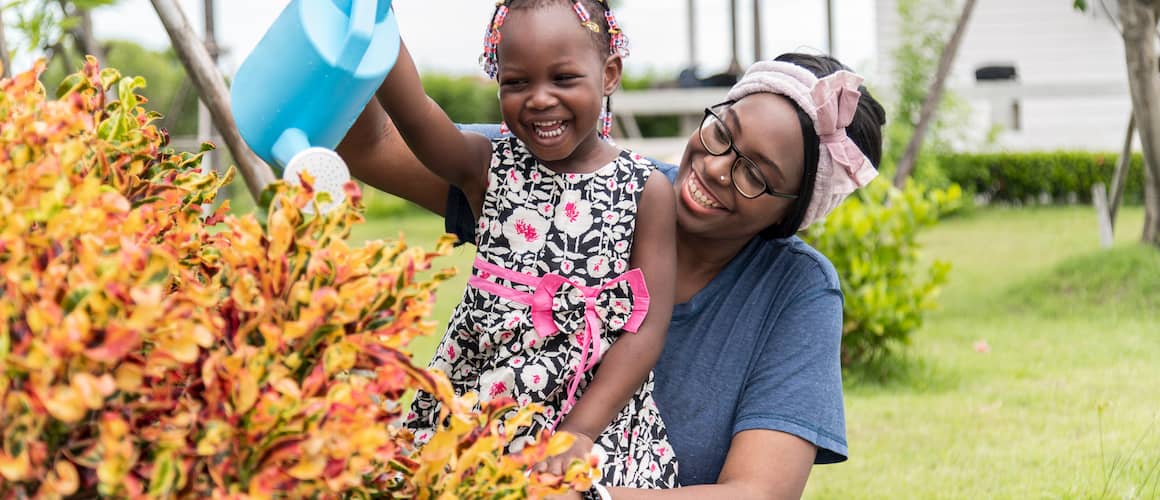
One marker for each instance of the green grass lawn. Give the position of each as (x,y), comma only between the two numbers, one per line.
(1065,402)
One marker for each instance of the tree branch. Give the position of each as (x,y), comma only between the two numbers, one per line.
(212,89)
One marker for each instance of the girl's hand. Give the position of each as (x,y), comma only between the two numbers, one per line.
(558,464)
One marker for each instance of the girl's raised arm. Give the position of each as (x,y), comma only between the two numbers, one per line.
(461,158)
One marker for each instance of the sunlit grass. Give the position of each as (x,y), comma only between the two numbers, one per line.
(1061,403)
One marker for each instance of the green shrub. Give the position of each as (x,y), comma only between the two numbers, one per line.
(1017,177)
(871,239)
(382,205)
(465,99)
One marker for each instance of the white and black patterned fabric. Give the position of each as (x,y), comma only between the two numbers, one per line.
(579,226)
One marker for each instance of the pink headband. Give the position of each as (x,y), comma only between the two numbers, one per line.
(831,103)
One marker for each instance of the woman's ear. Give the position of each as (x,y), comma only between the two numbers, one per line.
(613,66)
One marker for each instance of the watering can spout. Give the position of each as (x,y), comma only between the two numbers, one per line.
(299,91)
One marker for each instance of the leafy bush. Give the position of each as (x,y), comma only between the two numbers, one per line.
(1018,177)
(465,99)
(871,240)
(148,352)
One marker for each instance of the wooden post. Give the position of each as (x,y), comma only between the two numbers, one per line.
(757,55)
(830,45)
(1100,200)
(692,8)
(211,88)
(933,96)
(1120,176)
(205,129)
(734,63)
(5,63)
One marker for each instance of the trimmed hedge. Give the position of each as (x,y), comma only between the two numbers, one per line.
(1019,177)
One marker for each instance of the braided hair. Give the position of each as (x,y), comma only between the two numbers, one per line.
(604,28)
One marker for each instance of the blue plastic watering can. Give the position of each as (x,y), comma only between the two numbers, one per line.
(297,94)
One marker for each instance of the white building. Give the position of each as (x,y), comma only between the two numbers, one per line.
(1071,89)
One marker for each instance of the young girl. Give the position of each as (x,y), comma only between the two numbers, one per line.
(576,261)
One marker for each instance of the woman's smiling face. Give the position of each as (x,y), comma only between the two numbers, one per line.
(765,128)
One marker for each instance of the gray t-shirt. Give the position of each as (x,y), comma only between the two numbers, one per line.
(757,348)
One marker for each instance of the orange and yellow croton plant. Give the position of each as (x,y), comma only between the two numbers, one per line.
(147,350)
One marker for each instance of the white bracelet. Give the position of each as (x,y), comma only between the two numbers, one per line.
(602,491)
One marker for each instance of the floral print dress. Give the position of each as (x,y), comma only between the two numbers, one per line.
(578,227)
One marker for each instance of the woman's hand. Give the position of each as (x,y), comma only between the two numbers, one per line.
(581,448)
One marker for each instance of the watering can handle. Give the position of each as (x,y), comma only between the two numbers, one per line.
(358,35)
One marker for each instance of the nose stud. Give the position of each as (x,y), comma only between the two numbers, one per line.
(722,178)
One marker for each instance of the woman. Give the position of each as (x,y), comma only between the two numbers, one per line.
(750,378)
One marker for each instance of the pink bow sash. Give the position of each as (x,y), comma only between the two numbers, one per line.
(551,306)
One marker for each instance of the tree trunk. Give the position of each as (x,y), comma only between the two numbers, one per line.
(1138,18)
(933,96)
(82,33)
(5,61)
(211,87)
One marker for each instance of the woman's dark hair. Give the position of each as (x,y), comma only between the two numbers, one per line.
(865,131)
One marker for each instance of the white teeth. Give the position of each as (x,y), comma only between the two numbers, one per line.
(699,196)
(547,134)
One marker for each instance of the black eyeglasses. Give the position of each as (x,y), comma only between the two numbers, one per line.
(718,141)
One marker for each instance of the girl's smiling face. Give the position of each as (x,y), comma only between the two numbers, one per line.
(766,129)
(553,77)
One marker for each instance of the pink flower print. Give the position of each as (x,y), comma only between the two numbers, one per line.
(567,266)
(525,230)
(452,353)
(546,209)
(534,377)
(571,177)
(631,186)
(515,180)
(512,319)
(524,400)
(575,215)
(497,389)
(535,176)
(621,246)
(611,184)
(620,265)
(517,362)
(423,436)
(598,266)
(497,383)
(611,217)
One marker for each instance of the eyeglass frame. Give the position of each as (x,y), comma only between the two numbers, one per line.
(732,148)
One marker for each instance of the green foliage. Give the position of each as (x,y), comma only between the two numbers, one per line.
(1017,177)
(465,99)
(925,26)
(382,205)
(44,23)
(166,77)
(873,245)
